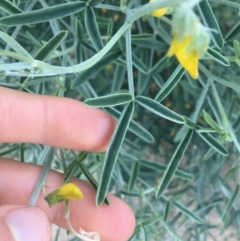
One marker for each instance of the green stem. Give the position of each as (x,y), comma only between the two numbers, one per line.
(48,70)
(219,105)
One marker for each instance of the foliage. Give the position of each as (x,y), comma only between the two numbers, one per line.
(174,156)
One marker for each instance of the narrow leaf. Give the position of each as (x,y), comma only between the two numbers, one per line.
(94,3)
(113,151)
(92,28)
(174,163)
(8,151)
(170,84)
(136,231)
(210,121)
(9,7)
(162,167)
(234,32)
(213,142)
(91,179)
(51,46)
(133,176)
(188,212)
(46,158)
(230,203)
(44,14)
(139,64)
(171,231)
(70,171)
(150,221)
(85,75)
(119,74)
(166,211)
(210,21)
(159,109)
(134,127)
(215,55)
(15,45)
(110,100)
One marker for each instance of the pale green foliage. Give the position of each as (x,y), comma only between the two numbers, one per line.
(175,162)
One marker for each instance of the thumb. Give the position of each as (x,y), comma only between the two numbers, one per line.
(23,223)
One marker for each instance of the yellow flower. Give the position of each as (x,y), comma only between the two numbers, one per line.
(190,39)
(158,12)
(65,192)
(187,58)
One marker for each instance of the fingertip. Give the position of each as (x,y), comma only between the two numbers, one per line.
(122,221)
(104,128)
(23,223)
(112,222)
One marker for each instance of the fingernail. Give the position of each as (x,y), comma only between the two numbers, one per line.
(28,224)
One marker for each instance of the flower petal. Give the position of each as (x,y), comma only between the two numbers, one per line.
(69,191)
(65,192)
(158,12)
(189,61)
(177,44)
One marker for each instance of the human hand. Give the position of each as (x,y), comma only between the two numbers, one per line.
(59,122)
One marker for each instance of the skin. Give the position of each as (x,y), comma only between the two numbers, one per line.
(64,123)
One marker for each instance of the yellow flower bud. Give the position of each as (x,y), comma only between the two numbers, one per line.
(158,12)
(66,192)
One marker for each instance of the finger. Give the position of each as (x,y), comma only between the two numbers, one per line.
(115,222)
(54,121)
(22,223)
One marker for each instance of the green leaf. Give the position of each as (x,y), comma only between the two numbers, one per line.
(162,167)
(230,203)
(210,121)
(70,171)
(188,212)
(166,211)
(189,123)
(8,151)
(211,22)
(113,151)
(171,231)
(170,83)
(133,176)
(91,179)
(9,7)
(159,109)
(234,32)
(209,154)
(73,167)
(136,231)
(85,75)
(174,163)
(46,158)
(43,15)
(15,45)
(144,36)
(139,64)
(236,48)
(94,3)
(49,48)
(150,221)
(134,127)
(213,142)
(92,28)
(215,55)
(110,100)
(150,44)
(119,74)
